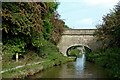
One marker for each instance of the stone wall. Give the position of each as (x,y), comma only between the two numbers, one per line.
(79,31)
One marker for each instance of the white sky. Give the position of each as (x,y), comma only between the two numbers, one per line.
(84,14)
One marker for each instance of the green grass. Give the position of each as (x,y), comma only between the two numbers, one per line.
(22,72)
(12,63)
(32,69)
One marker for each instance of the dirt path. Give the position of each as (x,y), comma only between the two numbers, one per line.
(20,66)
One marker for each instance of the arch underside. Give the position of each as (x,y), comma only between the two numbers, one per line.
(64,51)
(79,47)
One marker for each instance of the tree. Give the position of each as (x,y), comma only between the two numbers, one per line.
(108,32)
(26,24)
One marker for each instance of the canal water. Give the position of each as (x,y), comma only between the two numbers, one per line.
(78,69)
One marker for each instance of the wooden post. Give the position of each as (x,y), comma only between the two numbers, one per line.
(16,57)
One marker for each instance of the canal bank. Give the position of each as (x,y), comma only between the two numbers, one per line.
(28,70)
(109,59)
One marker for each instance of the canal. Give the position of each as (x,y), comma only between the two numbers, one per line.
(78,69)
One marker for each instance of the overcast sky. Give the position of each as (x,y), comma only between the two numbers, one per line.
(84,14)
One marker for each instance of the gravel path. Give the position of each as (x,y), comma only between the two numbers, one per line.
(20,66)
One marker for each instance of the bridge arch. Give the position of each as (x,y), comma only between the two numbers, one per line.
(78,45)
(74,37)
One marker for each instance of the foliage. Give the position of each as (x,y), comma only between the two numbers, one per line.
(108,32)
(15,45)
(109,59)
(29,25)
(73,51)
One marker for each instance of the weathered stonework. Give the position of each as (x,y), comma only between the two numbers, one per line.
(77,37)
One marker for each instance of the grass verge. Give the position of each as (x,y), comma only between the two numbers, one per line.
(35,68)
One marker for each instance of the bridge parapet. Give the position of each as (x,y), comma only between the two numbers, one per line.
(78,32)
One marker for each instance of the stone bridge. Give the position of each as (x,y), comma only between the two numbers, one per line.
(77,37)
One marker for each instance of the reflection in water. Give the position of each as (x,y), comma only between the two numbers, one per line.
(79,65)
(78,69)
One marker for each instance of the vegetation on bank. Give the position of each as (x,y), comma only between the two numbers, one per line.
(109,34)
(52,58)
(110,59)
(31,29)
(28,70)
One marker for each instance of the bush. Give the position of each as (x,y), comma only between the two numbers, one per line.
(109,59)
